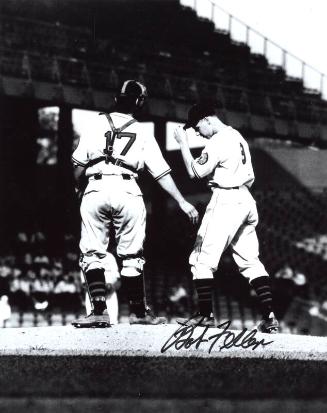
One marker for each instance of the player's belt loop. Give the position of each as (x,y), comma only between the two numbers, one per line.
(99,176)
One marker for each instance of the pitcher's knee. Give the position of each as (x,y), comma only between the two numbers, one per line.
(254,271)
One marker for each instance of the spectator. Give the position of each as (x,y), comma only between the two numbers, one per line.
(41,290)
(66,293)
(285,273)
(5,311)
(283,284)
(301,288)
(27,262)
(178,301)
(25,287)
(21,244)
(5,274)
(14,287)
(38,244)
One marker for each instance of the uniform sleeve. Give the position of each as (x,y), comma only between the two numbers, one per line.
(153,159)
(210,157)
(80,156)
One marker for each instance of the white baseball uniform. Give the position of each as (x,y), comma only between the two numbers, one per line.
(112,194)
(231,215)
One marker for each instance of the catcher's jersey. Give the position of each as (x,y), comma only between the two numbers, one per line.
(134,146)
(225,160)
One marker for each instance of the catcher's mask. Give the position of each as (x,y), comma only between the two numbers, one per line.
(133,91)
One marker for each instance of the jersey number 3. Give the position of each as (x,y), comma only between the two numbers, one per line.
(243,154)
(110,141)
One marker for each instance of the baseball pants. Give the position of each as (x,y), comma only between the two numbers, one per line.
(230,220)
(111,204)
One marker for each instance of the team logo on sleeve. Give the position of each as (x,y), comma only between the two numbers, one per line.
(203,158)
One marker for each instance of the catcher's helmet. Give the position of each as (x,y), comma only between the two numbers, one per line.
(133,92)
(132,88)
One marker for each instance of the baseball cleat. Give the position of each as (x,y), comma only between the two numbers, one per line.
(197,320)
(92,320)
(269,325)
(149,318)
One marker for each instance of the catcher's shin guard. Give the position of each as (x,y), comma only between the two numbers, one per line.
(140,313)
(96,288)
(132,288)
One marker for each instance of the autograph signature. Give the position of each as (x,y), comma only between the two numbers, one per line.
(183,337)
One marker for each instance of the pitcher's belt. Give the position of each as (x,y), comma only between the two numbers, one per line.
(214,185)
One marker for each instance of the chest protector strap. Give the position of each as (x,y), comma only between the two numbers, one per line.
(110,147)
(112,135)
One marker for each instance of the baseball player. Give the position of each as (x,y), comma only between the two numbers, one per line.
(231,215)
(111,161)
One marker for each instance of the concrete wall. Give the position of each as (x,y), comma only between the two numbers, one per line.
(290,167)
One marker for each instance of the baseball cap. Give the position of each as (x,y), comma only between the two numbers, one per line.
(132,88)
(198,112)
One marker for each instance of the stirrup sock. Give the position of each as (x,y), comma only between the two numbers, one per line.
(262,287)
(204,295)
